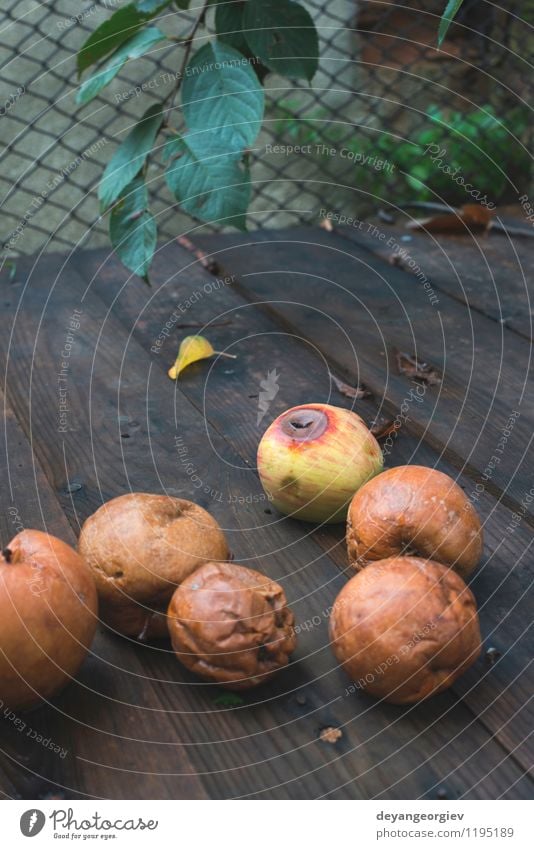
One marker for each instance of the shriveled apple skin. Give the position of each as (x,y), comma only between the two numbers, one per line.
(48,617)
(140,546)
(414,510)
(313,478)
(405,629)
(231,625)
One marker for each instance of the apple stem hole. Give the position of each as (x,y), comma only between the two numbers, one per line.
(304,424)
(7,554)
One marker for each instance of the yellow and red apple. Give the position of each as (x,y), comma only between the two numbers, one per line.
(313,458)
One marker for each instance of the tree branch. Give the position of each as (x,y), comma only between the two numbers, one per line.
(187,44)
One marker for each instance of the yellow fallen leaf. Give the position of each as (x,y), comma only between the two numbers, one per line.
(192,349)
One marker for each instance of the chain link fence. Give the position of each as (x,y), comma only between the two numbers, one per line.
(385,117)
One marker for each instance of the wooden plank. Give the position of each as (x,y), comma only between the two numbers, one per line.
(101,461)
(271,747)
(492,273)
(229,401)
(505,545)
(73,721)
(366,313)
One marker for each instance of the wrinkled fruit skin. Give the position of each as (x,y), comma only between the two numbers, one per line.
(48,617)
(405,629)
(414,510)
(231,625)
(313,458)
(139,547)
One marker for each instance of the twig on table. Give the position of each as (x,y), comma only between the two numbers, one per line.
(203,324)
(203,258)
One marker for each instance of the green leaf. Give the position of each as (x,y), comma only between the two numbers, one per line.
(133,49)
(209,182)
(421,173)
(132,229)
(435,113)
(130,157)
(172,148)
(446,19)
(182,4)
(221,95)
(282,34)
(11,266)
(151,7)
(122,25)
(229,25)
(109,35)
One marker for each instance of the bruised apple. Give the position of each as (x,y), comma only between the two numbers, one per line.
(48,617)
(140,546)
(313,458)
(414,510)
(231,625)
(405,629)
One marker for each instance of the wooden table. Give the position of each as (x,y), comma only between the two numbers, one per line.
(90,413)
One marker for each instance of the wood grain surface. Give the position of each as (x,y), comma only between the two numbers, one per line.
(306,303)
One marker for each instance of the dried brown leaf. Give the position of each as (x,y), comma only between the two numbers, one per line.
(382,427)
(410,366)
(350,391)
(473,216)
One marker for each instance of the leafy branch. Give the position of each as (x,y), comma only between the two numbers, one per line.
(187,45)
(222,107)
